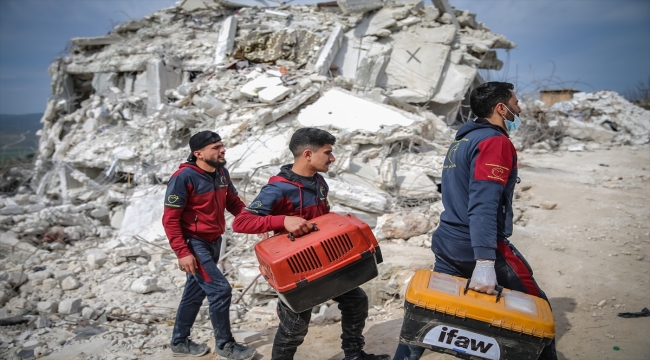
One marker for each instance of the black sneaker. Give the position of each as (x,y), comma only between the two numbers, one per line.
(363,356)
(235,351)
(189,348)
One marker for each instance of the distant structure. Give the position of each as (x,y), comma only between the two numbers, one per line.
(550,97)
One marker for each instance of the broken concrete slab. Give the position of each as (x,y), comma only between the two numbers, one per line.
(194,5)
(143,214)
(103,82)
(586,131)
(490,61)
(411,20)
(69,306)
(253,87)
(444,8)
(159,79)
(468,19)
(382,19)
(94,346)
(246,337)
(273,94)
(372,66)
(344,110)
(329,51)
(96,41)
(48,307)
(353,49)
(357,197)
(441,35)
(409,96)
(412,184)
(482,41)
(402,225)
(9,242)
(144,285)
(255,152)
(266,116)
(428,163)
(226,39)
(274,14)
(417,61)
(131,25)
(455,81)
(359,6)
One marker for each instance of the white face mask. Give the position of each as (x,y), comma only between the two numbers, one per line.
(512,125)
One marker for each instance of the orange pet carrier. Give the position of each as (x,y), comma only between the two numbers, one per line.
(338,256)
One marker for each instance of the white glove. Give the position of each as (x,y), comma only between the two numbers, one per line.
(484,278)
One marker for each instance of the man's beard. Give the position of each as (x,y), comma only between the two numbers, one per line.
(216,163)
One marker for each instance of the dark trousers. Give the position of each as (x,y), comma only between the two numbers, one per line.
(293,326)
(513,272)
(208,281)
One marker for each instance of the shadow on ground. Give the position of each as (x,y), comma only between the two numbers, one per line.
(561,307)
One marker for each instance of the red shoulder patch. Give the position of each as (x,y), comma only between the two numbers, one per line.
(495,159)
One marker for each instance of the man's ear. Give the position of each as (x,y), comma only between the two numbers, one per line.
(197,153)
(307,153)
(498,109)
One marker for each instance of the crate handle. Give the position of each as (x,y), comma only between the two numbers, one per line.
(313,227)
(498,288)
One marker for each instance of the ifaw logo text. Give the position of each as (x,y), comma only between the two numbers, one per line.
(463,341)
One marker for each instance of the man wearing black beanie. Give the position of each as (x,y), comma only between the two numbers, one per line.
(197,195)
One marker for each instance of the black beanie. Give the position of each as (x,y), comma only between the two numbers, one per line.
(200,140)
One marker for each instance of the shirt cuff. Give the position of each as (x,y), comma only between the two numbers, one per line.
(277,222)
(484,253)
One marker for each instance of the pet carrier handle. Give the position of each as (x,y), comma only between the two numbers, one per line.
(498,288)
(313,227)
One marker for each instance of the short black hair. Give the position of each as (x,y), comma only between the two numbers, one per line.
(485,97)
(309,138)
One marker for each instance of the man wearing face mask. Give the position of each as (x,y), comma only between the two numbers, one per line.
(478,183)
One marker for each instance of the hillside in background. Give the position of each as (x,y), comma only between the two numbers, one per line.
(18,134)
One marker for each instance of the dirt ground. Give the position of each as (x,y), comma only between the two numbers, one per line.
(592,249)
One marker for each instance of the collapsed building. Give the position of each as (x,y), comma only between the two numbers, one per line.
(584,121)
(386,78)
(250,74)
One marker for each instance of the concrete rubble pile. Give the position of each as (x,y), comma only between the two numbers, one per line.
(587,122)
(84,247)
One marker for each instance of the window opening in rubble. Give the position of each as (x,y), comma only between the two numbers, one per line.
(114,177)
(65,129)
(123,178)
(91,172)
(182,137)
(83,88)
(148,174)
(15,172)
(129,81)
(194,75)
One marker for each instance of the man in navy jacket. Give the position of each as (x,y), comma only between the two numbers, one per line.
(197,195)
(478,182)
(298,194)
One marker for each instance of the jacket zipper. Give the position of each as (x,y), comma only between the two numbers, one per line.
(196,224)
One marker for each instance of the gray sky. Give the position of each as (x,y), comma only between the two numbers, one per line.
(585,44)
